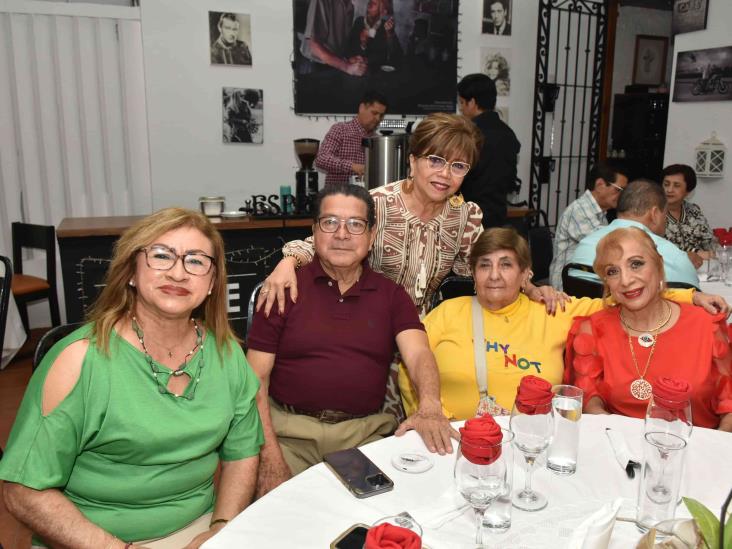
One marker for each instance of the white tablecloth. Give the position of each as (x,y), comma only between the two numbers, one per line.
(313,508)
(14,334)
(718,288)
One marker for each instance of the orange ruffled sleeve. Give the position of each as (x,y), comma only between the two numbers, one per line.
(722,357)
(583,367)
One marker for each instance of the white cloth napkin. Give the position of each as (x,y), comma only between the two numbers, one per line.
(449,506)
(595,530)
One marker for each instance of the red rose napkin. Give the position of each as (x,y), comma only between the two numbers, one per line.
(675,393)
(480,439)
(533,395)
(388,536)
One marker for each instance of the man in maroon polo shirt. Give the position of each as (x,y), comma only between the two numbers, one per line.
(323,363)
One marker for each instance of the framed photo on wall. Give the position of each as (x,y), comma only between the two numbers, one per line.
(230,38)
(497,17)
(649,61)
(689,16)
(704,75)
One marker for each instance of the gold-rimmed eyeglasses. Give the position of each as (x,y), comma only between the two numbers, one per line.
(437,163)
(354,225)
(162,258)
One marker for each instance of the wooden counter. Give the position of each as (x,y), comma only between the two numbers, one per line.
(116,225)
(252,250)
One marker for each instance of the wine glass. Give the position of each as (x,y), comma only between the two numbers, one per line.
(669,416)
(487,486)
(533,429)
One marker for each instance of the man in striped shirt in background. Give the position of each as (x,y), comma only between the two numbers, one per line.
(585,215)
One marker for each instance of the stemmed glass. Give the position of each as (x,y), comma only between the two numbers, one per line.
(533,430)
(487,488)
(669,416)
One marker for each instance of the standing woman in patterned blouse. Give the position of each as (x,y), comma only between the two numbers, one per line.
(424,228)
(686,225)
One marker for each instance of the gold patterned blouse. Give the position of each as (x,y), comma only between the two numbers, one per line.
(414,253)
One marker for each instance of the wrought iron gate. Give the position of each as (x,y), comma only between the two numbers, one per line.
(570,60)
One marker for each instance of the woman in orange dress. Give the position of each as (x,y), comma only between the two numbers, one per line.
(617,354)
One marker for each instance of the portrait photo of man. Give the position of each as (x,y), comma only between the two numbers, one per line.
(497,17)
(230,36)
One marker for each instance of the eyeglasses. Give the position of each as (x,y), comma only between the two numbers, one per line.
(162,258)
(437,163)
(354,225)
(616,187)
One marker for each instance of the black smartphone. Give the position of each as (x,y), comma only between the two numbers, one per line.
(358,473)
(353,538)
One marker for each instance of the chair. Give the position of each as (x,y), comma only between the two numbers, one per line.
(252,303)
(453,286)
(580,287)
(27,288)
(541,248)
(50,338)
(5,282)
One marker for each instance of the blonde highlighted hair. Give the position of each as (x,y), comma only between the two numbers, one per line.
(118,298)
(448,135)
(611,245)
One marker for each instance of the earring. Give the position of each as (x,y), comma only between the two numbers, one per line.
(209,292)
(132,283)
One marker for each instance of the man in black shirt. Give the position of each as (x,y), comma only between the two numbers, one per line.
(488,183)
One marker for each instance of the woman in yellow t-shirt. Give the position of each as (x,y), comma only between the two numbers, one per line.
(520,337)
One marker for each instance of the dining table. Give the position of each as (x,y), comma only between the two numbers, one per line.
(313,508)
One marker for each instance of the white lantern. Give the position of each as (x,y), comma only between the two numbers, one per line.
(710,157)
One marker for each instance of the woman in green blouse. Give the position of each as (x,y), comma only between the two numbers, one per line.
(125,421)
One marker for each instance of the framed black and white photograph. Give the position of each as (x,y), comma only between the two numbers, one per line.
(689,16)
(497,17)
(230,38)
(405,49)
(243,120)
(649,62)
(496,64)
(704,75)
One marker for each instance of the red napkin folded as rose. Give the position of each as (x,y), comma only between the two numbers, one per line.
(674,393)
(480,440)
(534,395)
(388,536)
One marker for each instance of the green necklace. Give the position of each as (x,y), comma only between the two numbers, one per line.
(163,389)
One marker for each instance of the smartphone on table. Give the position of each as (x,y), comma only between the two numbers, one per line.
(358,473)
(353,538)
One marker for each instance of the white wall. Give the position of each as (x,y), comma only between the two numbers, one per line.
(691,123)
(183,91)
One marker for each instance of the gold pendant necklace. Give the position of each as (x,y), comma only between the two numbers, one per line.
(640,388)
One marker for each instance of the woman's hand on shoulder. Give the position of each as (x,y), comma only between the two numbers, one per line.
(549,296)
(274,286)
(713,304)
(63,375)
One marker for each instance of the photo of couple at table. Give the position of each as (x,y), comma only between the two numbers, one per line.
(403,47)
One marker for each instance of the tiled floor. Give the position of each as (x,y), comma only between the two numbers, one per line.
(13,381)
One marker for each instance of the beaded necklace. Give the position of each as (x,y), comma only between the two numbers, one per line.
(195,378)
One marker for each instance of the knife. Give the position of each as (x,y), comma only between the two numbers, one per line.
(622,453)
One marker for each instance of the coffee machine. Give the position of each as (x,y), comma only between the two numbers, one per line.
(306,178)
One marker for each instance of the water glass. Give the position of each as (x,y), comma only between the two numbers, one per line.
(532,435)
(661,478)
(487,487)
(567,405)
(403,520)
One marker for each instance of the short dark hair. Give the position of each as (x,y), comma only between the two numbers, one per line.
(229,16)
(606,170)
(503,3)
(480,87)
(373,96)
(686,171)
(640,196)
(346,189)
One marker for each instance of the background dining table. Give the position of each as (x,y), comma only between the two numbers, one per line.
(313,508)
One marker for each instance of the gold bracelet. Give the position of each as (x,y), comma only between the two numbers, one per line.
(298,263)
(217,521)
